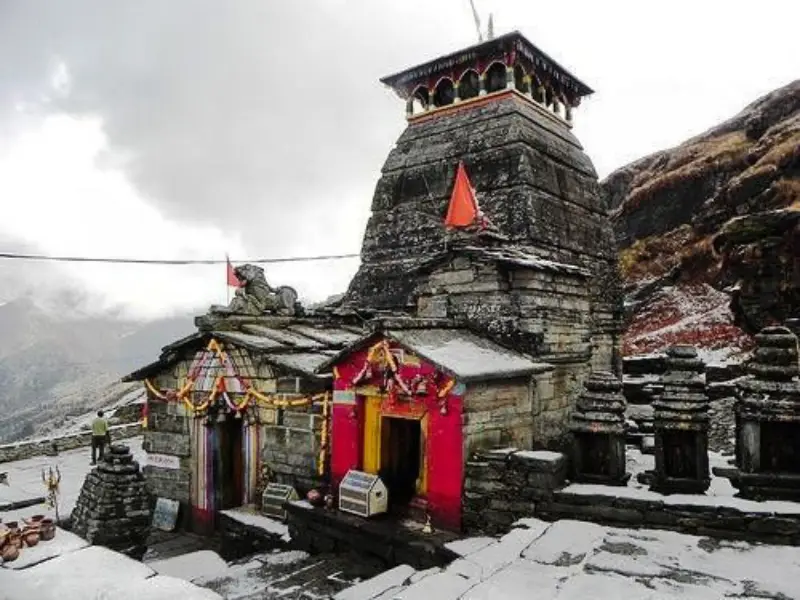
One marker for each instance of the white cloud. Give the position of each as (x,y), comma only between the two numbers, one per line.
(56,199)
(661,74)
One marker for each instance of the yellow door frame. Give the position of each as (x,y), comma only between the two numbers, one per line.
(373,434)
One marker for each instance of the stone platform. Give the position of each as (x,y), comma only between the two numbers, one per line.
(731,518)
(383,540)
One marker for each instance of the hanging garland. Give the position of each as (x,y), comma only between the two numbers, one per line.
(377,354)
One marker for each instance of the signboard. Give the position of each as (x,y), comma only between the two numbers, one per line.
(165,461)
(165,515)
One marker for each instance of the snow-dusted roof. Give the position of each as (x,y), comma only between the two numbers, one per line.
(299,345)
(304,362)
(458,351)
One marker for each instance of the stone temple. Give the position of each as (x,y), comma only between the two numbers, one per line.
(453,337)
(505,110)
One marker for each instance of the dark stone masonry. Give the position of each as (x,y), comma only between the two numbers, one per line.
(598,426)
(681,426)
(502,486)
(768,420)
(113,508)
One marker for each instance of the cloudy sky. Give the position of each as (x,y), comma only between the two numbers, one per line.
(192,128)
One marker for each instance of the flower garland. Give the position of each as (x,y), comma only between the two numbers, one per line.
(386,357)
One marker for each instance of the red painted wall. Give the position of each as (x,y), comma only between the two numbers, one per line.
(444,434)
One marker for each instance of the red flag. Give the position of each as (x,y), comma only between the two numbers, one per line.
(463,210)
(233,280)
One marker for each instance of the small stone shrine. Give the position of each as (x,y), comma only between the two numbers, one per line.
(681,426)
(113,508)
(598,428)
(768,420)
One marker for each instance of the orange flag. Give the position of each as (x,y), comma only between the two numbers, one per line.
(463,210)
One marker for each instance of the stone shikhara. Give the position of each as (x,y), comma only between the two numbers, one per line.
(114,506)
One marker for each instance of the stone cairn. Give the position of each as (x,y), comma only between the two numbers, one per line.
(598,428)
(113,508)
(681,423)
(768,419)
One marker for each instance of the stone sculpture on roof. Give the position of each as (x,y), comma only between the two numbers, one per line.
(256,297)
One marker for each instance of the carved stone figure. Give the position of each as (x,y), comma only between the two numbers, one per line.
(257,297)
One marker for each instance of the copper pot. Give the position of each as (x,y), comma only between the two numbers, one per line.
(47,530)
(31,536)
(8,550)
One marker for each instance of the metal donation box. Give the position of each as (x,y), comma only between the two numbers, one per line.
(273,498)
(363,494)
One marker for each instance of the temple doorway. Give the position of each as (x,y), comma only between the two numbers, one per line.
(229,464)
(401,448)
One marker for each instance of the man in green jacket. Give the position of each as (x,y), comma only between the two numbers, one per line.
(99,436)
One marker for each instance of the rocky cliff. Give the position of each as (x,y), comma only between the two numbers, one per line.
(709,231)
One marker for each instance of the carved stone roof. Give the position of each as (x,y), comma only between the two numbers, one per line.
(299,345)
(455,63)
(460,352)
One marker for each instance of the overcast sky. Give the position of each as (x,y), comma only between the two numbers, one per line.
(192,128)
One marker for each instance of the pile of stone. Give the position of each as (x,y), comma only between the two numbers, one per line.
(681,423)
(768,419)
(114,507)
(598,427)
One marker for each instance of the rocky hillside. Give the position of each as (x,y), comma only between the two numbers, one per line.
(54,368)
(709,231)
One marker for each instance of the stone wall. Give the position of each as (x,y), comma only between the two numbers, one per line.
(533,181)
(290,445)
(168,433)
(710,520)
(521,412)
(49,446)
(502,486)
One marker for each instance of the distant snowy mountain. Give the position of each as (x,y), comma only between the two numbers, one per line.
(54,368)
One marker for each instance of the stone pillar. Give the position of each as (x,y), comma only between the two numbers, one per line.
(568,112)
(540,95)
(510,83)
(598,428)
(681,426)
(768,420)
(456,97)
(482,85)
(410,107)
(113,508)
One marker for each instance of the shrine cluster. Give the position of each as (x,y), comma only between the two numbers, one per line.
(471,374)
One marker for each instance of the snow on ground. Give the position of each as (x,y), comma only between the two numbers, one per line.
(254,519)
(25,479)
(571,560)
(698,315)
(73,571)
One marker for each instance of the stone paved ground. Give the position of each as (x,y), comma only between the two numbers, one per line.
(288,575)
(570,560)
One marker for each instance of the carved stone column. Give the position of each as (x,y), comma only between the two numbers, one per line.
(681,426)
(598,428)
(768,420)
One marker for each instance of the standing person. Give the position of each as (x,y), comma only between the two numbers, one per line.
(100,434)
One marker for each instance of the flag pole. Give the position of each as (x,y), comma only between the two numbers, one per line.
(227,286)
